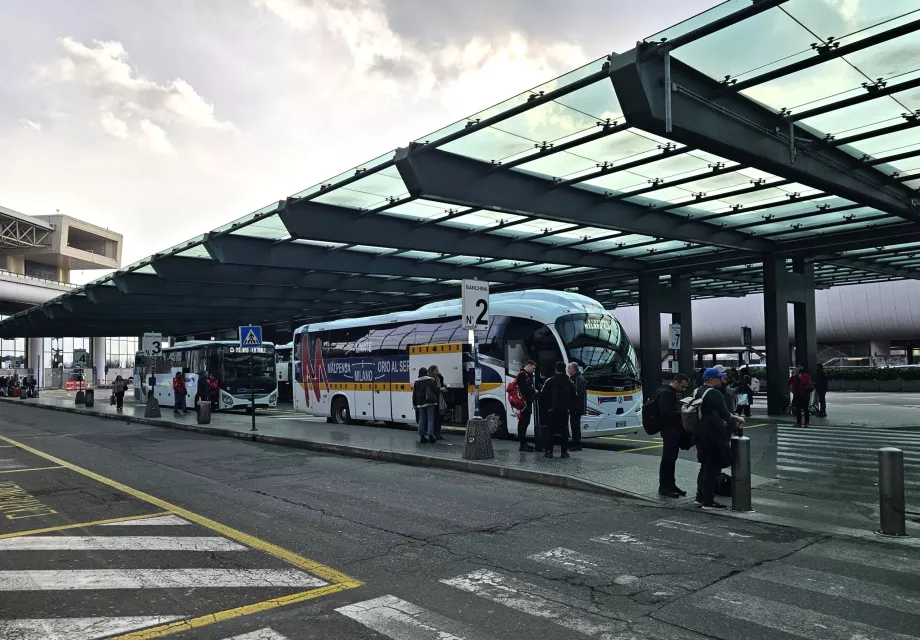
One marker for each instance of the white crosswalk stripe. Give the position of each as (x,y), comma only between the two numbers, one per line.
(532,599)
(260,634)
(401,620)
(156,521)
(802,623)
(119,543)
(647,545)
(76,628)
(901,562)
(56,580)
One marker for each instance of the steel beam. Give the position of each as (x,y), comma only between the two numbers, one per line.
(446,177)
(741,130)
(336,224)
(873,267)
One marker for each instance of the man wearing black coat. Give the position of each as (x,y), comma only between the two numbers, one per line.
(713,438)
(557,397)
(821,391)
(668,400)
(581,404)
(529,393)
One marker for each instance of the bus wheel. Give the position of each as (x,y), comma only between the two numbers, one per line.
(340,413)
(494,415)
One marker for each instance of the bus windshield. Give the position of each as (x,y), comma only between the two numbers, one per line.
(597,342)
(235,378)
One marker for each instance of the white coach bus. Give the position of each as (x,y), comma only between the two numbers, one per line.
(362,369)
(225,359)
(284,367)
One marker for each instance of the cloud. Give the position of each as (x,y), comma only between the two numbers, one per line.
(34,126)
(130,106)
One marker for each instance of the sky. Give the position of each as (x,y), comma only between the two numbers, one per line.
(162,120)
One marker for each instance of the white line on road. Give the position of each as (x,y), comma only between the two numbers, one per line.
(556,607)
(401,620)
(574,562)
(687,527)
(859,555)
(49,580)
(10,463)
(76,628)
(260,634)
(660,548)
(119,543)
(837,586)
(157,521)
(802,623)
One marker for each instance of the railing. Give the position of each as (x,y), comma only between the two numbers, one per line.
(29,279)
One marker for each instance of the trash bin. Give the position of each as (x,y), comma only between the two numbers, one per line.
(204,412)
(478,440)
(90,398)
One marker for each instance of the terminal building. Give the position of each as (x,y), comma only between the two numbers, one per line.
(37,256)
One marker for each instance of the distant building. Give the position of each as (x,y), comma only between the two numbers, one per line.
(37,256)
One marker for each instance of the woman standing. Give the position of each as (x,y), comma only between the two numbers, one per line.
(119,389)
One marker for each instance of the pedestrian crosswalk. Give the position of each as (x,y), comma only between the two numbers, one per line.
(164,570)
(827,590)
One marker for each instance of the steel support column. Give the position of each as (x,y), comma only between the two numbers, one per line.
(802,295)
(655,299)
(776,325)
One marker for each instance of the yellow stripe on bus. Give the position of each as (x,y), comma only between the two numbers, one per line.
(449,347)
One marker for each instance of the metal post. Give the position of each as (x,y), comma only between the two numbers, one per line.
(668,120)
(891,492)
(252,394)
(741,474)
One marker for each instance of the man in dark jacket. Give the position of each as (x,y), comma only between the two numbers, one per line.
(713,438)
(202,393)
(821,391)
(557,397)
(671,429)
(528,392)
(581,404)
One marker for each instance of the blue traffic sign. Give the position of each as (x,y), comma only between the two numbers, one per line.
(251,336)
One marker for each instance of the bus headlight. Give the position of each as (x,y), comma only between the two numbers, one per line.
(226,399)
(592,412)
(273,398)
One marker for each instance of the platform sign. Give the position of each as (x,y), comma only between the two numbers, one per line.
(673,336)
(747,340)
(474,302)
(152,344)
(250,336)
(80,358)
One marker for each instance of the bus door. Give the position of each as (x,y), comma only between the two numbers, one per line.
(362,370)
(516,354)
(383,396)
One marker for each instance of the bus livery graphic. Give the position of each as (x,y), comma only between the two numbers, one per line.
(316,371)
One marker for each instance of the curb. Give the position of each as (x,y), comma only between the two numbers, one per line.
(383,455)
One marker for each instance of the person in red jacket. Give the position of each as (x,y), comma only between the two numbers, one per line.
(179,393)
(801,388)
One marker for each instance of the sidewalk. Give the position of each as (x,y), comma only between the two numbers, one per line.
(607,472)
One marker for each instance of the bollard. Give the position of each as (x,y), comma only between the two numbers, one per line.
(477,443)
(891,492)
(89,399)
(81,397)
(152,410)
(741,474)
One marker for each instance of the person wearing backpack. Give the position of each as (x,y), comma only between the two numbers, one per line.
(557,398)
(528,391)
(667,402)
(712,435)
(425,394)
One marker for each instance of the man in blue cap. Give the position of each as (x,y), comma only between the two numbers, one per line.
(713,437)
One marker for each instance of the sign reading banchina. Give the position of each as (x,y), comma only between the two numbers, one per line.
(474,298)
(152,344)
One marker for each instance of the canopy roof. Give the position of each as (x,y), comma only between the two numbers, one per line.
(792,128)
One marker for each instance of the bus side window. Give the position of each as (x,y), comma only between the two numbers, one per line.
(516,355)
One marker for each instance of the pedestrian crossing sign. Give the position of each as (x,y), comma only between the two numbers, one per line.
(250,337)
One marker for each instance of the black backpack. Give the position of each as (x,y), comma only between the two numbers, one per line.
(651,414)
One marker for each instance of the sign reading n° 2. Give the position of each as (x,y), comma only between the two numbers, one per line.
(474,302)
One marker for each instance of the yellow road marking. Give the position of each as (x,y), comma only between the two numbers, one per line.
(654,446)
(340,581)
(616,439)
(755,426)
(229,614)
(32,469)
(81,524)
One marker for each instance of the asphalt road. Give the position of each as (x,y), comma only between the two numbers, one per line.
(192,536)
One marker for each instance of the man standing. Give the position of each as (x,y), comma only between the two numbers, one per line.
(671,429)
(557,398)
(713,437)
(580,407)
(528,392)
(800,386)
(821,391)
(178,385)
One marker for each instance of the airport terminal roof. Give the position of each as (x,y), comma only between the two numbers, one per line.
(764,127)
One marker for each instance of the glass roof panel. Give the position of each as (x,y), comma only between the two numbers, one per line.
(270,228)
(197,251)
(522,98)
(462,260)
(885,145)
(531,227)
(318,243)
(369,249)
(145,269)
(549,122)
(247,218)
(699,20)
(482,219)
(849,24)
(420,209)
(489,144)
(421,255)
(361,168)
(368,192)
